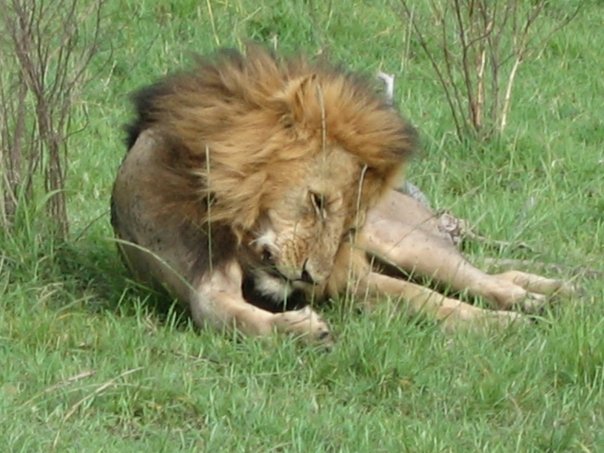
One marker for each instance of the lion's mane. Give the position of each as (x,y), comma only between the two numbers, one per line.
(236,123)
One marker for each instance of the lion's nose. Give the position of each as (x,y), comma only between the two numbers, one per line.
(306,277)
(267,256)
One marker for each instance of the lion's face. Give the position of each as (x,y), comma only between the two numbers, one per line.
(312,211)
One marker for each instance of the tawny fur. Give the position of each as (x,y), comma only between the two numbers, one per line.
(240,126)
(251,180)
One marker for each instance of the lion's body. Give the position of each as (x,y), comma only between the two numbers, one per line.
(252,169)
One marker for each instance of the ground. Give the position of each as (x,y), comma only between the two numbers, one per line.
(91,362)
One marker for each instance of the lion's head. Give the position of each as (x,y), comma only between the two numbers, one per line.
(314,208)
(286,155)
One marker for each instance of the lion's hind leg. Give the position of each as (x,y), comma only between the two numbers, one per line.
(453,314)
(419,253)
(391,236)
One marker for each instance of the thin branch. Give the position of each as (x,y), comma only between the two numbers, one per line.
(46,58)
(508,94)
(441,78)
(467,75)
(477,53)
(449,67)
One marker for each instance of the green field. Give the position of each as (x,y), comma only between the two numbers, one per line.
(91,362)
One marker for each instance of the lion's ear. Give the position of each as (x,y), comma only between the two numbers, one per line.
(294,100)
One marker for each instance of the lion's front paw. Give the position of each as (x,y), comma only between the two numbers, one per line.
(306,324)
(532,303)
(502,318)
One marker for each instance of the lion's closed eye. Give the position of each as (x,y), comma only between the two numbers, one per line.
(350,234)
(319,204)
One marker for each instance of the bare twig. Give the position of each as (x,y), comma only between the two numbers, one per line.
(508,94)
(409,13)
(45,55)
(70,380)
(477,54)
(99,390)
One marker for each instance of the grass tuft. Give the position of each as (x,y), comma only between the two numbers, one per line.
(90,361)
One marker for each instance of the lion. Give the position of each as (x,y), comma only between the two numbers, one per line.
(252,182)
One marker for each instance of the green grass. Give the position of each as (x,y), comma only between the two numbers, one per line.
(90,362)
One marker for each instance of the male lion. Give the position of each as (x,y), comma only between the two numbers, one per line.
(252,180)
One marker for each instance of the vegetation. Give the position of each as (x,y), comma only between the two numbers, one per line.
(89,361)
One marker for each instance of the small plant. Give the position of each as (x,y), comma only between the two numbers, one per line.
(475,48)
(45,48)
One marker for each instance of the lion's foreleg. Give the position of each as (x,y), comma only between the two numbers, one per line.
(218,302)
